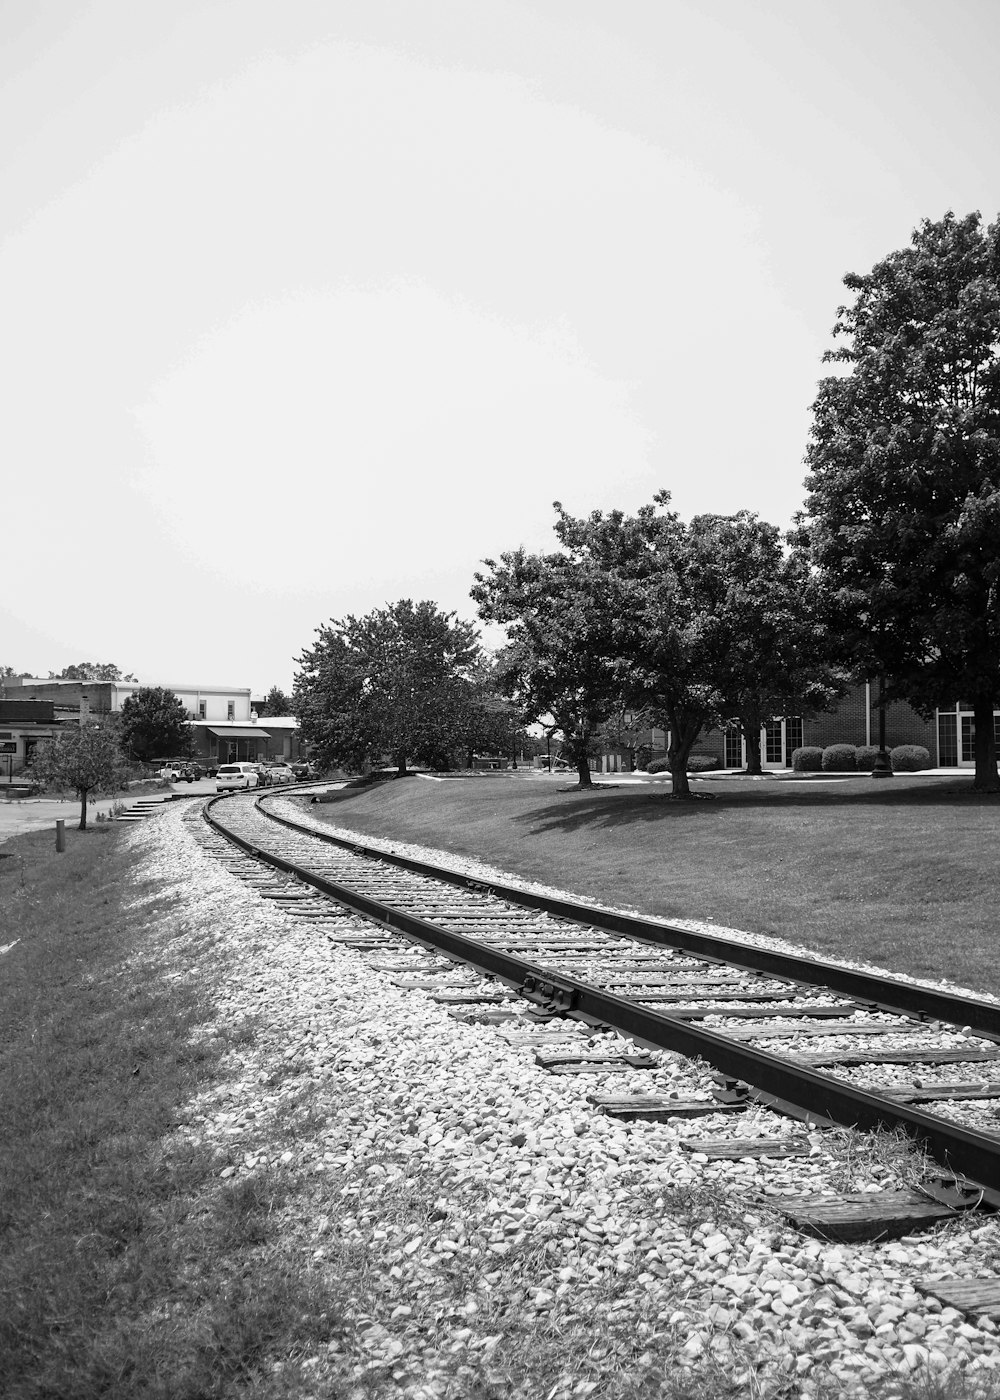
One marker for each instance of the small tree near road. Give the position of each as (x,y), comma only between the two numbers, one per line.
(86,758)
(154,724)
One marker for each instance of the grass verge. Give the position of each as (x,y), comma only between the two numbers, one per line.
(124,1270)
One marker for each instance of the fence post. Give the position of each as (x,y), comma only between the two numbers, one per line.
(60,834)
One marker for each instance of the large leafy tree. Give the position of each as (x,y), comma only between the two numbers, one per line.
(902,516)
(558,665)
(154,724)
(398,682)
(662,651)
(85,758)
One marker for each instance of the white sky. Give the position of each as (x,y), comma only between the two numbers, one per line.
(310,306)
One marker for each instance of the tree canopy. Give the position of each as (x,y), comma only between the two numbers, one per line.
(664,652)
(276,702)
(558,662)
(765,639)
(902,515)
(155,724)
(85,758)
(397,683)
(91,671)
(687,624)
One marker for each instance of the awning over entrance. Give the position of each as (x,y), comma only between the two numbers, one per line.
(239,733)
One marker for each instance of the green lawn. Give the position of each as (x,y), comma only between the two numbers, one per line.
(901,873)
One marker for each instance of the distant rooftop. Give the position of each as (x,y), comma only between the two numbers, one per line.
(27,682)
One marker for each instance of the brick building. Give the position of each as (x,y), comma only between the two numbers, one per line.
(948,736)
(224,726)
(22,724)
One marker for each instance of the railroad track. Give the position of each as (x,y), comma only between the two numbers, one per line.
(602,993)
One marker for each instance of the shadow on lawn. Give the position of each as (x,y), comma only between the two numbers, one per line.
(592,807)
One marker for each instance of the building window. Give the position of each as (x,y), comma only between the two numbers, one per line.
(201,709)
(793,738)
(230,709)
(947,742)
(734,747)
(968,739)
(772,742)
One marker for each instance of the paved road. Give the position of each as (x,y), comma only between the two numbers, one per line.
(37,813)
(41,813)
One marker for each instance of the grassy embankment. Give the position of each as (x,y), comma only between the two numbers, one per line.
(126,1269)
(901,873)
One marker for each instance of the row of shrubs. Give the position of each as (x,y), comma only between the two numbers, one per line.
(849,758)
(835,758)
(697,763)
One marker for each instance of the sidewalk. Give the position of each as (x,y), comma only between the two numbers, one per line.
(37,813)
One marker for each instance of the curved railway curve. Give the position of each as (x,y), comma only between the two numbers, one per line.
(755,1014)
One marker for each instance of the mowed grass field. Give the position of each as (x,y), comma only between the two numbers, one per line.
(903,873)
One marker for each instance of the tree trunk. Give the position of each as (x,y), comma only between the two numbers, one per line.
(750,723)
(683,733)
(401,765)
(83,809)
(986,779)
(680,787)
(583,770)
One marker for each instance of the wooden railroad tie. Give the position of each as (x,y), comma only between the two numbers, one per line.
(908,1055)
(928,1093)
(593,1061)
(487,1016)
(690,1006)
(735,1149)
(656,1108)
(862,1215)
(845,1028)
(976,1297)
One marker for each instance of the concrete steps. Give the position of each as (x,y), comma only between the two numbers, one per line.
(142,808)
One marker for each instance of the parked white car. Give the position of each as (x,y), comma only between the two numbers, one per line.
(279,773)
(175,772)
(236,775)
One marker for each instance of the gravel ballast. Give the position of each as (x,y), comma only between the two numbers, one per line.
(483,1231)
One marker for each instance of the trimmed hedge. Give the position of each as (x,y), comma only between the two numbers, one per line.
(840,758)
(807,760)
(865,757)
(697,763)
(909,758)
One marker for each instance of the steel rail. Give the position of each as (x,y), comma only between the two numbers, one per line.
(775,1081)
(899,998)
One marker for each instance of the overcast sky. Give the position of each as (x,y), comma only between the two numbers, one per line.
(310,306)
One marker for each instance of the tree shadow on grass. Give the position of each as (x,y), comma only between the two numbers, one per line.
(590,807)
